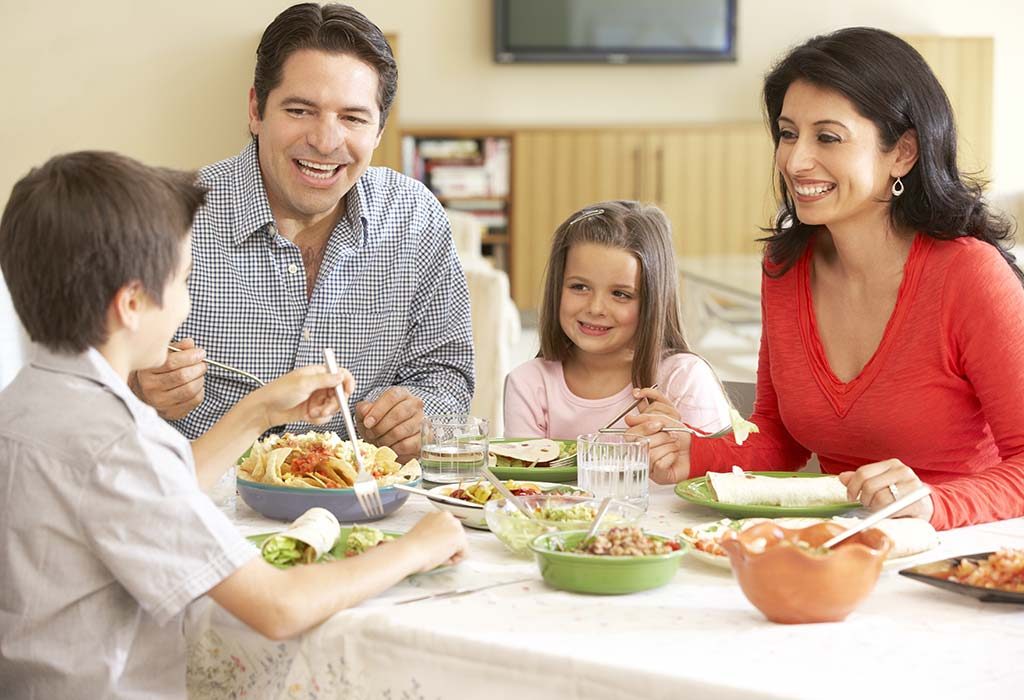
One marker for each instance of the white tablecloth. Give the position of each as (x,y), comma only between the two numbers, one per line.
(698,637)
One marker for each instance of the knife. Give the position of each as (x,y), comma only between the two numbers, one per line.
(462,591)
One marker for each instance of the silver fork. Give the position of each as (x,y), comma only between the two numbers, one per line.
(367,491)
(680,429)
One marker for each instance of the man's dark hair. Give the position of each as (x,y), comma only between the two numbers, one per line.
(333,29)
(82,226)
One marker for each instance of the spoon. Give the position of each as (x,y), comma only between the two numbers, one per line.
(506,494)
(601,510)
(879,515)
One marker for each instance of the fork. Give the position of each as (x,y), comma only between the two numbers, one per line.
(367,491)
(681,429)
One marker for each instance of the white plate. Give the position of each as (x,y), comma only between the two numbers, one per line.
(722,561)
(472,515)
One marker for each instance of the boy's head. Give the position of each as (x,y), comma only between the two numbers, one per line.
(85,230)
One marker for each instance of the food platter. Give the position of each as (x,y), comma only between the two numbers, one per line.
(698,492)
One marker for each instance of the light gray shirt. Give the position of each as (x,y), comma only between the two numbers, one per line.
(105,537)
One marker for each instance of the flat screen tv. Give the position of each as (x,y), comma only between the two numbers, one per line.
(614,31)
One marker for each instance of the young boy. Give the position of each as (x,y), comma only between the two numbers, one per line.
(105,535)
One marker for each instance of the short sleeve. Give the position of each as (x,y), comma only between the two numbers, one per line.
(525,403)
(160,536)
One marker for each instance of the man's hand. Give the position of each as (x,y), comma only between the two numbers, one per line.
(394,421)
(175,387)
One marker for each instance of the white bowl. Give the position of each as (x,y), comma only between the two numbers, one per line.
(472,514)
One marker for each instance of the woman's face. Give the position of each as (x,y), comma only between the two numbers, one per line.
(832,160)
(600,305)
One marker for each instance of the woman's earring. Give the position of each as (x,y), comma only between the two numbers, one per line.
(897,187)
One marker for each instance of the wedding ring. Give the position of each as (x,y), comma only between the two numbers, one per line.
(894,491)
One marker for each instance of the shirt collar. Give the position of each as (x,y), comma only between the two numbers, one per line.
(252,208)
(93,366)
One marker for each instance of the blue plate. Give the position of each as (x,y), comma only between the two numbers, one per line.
(289,502)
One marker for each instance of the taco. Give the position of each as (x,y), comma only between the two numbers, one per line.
(306,540)
(526,453)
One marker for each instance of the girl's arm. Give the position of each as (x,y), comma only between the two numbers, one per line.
(280,604)
(525,403)
(304,394)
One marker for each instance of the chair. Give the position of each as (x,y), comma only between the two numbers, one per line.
(496,325)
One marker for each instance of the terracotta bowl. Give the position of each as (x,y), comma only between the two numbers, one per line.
(787,578)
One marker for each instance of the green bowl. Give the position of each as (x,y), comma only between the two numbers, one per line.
(605,575)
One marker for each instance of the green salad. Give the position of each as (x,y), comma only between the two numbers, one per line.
(284,552)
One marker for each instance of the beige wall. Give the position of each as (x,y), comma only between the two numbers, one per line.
(166,80)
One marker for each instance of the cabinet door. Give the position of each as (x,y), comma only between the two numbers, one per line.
(556,172)
(715,184)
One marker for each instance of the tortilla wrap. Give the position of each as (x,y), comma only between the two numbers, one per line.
(538,451)
(908,535)
(317,528)
(752,489)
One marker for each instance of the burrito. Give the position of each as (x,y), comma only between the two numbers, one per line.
(527,453)
(741,488)
(310,537)
(908,535)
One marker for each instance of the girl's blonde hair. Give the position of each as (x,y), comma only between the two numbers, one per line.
(643,231)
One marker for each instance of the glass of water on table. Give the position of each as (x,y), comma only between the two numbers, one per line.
(614,464)
(453,447)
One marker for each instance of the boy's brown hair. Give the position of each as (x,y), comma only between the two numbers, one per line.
(80,227)
(644,232)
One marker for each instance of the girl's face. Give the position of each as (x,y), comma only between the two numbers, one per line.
(831,159)
(600,306)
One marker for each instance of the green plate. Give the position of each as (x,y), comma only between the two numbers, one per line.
(556,474)
(588,573)
(697,491)
(337,551)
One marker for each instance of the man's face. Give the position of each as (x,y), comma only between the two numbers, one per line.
(317,134)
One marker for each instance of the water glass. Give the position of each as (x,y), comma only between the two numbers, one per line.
(614,464)
(453,447)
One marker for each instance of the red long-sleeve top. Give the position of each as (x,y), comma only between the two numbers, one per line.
(944,391)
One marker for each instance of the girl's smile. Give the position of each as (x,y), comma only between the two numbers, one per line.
(600,304)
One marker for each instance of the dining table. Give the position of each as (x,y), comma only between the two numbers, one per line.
(696,637)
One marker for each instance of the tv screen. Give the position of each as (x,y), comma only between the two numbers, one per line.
(614,31)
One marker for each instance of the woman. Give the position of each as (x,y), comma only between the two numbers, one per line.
(893,339)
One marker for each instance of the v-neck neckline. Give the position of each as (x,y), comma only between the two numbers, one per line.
(842,395)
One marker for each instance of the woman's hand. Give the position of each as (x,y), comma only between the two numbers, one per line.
(879,484)
(657,403)
(669,452)
(305,394)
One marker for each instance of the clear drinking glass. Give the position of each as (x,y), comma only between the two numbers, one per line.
(453,447)
(613,464)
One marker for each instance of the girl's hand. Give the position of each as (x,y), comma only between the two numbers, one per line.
(870,485)
(305,394)
(657,403)
(669,452)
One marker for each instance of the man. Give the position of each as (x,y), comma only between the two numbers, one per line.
(301,246)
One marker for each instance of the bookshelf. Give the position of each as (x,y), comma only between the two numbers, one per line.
(469,171)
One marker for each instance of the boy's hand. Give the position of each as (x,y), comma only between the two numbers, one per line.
(394,421)
(175,387)
(439,538)
(305,394)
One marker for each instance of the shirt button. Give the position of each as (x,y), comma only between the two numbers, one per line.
(306,335)
(293,268)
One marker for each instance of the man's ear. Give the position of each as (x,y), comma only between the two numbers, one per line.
(254,112)
(906,153)
(126,308)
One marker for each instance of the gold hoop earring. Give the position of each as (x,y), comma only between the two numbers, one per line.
(897,187)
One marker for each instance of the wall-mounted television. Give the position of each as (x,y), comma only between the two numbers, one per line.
(614,31)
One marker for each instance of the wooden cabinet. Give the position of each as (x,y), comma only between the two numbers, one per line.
(713,182)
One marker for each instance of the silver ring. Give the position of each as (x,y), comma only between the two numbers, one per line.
(894,491)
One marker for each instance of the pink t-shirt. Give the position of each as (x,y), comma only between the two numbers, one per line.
(538,402)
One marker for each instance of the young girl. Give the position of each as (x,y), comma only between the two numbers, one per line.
(610,328)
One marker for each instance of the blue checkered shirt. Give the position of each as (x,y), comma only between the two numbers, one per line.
(390,297)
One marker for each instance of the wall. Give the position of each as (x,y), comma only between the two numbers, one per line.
(166,80)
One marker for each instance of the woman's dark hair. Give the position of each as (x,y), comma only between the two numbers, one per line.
(889,83)
(644,232)
(334,29)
